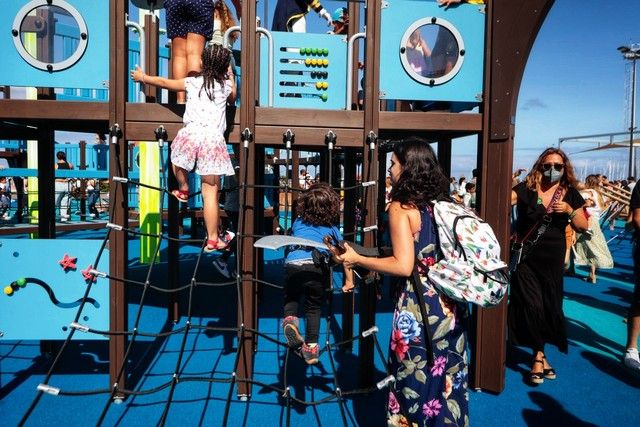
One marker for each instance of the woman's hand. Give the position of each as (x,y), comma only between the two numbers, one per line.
(562,207)
(349,258)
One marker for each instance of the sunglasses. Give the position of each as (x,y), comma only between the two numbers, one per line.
(557,166)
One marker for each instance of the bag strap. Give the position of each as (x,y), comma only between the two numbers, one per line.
(417,285)
(543,223)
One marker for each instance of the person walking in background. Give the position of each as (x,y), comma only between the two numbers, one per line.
(318,210)
(290,15)
(546,201)
(62,187)
(93,196)
(201,143)
(631,359)
(5,198)
(591,247)
(189,26)
(422,395)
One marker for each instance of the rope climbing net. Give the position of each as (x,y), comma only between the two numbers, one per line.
(117,392)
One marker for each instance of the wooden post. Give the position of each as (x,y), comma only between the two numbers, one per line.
(118,166)
(248,305)
(511,31)
(369,173)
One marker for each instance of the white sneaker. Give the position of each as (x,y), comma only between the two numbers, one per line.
(631,359)
(222,267)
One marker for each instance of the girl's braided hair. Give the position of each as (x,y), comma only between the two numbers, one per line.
(215,67)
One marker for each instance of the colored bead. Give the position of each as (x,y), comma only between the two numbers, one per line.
(22,282)
(8,290)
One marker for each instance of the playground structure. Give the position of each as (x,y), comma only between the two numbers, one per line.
(497,39)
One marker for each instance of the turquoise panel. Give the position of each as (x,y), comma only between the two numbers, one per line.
(396,83)
(48,302)
(90,72)
(296,75)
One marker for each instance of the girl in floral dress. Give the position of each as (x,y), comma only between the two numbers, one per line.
(423,394)
(201,142)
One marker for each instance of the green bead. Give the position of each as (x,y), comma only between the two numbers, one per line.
(325,51)
(22,282)
(314,51)
(324,97)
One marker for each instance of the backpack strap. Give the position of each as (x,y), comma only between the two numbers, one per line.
(417,284)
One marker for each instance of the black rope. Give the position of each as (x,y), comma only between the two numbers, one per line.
(244,332)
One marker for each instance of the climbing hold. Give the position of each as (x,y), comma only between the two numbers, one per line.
(88,276)
(68,263)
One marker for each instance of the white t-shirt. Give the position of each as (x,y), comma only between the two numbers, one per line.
(202,111)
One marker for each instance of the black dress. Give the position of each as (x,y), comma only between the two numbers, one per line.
(535,315)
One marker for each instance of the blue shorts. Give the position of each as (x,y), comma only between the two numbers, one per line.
(189,16)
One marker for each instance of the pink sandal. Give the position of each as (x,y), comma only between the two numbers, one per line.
(181,195)
(214,245)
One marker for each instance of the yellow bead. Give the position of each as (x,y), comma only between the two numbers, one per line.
(325,85)
(8,290)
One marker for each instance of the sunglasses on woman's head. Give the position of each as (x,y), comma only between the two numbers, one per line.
(556,166)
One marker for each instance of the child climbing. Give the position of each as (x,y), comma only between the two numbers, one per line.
(201,142)
(318,209)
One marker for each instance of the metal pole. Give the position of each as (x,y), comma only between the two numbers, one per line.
(632,157)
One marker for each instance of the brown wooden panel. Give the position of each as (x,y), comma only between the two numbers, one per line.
(470,122)
(161,113)
(145,131)
(21,109)
(511,31)
(515,27)
(288,117)
(307,136)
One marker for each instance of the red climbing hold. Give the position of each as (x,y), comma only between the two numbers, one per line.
(88,277)
(68,263)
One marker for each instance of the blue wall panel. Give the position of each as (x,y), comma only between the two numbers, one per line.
(396,83)
(91,71)
(30,313)
(295,79)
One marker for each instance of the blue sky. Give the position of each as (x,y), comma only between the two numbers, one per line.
(575,82)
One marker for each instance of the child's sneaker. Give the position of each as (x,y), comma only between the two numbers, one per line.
(227,237)
(310,353)
(222,267)
(632,360)
(291,332)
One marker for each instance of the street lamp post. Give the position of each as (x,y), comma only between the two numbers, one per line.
(632,53)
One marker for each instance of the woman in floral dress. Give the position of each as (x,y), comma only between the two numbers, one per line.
(424,394)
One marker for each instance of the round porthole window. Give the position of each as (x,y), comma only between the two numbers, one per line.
(49,34)
(432,51)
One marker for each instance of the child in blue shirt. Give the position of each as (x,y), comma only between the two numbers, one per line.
(318,210)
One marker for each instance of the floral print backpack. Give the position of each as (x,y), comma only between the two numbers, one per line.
(471,269)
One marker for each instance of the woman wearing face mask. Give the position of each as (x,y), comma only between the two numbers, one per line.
(546,201)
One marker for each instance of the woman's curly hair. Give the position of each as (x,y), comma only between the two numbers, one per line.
(319,205)
(422,179)
(534,177)
(226,18)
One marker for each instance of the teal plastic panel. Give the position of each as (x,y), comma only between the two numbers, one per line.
(395,81)
(297,71)
(48,302)
(90,72)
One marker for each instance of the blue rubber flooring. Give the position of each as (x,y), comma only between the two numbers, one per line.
(592,387)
